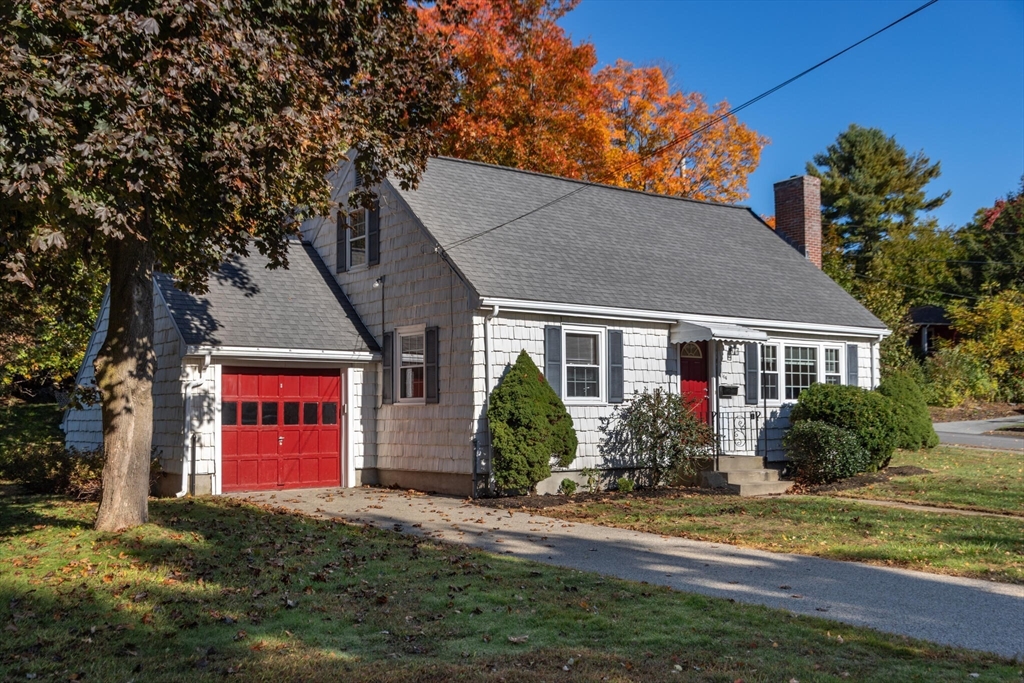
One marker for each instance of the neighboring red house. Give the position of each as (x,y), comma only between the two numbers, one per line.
(930,325)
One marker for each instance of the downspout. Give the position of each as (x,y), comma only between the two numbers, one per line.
(190,451)
(487,397)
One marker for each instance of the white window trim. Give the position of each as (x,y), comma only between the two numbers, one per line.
(602,366)
(781,345)
(407,331)
(348,242)
(779,373)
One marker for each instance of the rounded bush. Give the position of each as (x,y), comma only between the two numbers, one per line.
(624,484)
(530,427)
(913,419)
(823,453)
(567,487)
(868,414)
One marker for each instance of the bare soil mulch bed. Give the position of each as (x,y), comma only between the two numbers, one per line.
(542,502)
(862,480)
(975,410)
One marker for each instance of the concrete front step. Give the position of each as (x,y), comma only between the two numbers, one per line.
(745,476)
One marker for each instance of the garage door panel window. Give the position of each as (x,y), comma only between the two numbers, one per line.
(269,413)
(229,413)
(309,413)
(330,413)
(250,412)
(291,412)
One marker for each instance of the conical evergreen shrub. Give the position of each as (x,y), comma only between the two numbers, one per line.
(530,427)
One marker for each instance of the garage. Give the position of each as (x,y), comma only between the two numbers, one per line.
(280,428)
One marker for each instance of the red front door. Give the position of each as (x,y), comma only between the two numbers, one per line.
(693,373)
(280,428)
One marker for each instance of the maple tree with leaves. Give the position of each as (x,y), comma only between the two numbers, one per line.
(528,97)
(168,135)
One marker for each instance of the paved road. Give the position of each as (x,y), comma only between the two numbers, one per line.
(972,433)
(970,613)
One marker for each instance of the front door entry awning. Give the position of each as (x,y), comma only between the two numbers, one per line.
(683,332)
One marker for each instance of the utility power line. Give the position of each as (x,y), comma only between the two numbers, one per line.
(923,289)
(688,135)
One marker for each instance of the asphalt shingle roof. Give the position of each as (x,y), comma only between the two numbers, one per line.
(605,246)
(249,305)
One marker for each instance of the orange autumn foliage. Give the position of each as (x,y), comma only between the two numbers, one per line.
(526,97)
(529,98)
(653,145)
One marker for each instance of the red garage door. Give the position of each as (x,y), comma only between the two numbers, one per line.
(280,428)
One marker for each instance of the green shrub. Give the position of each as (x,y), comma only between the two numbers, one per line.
(658,432)
(952,376)
(567,487)
(529,428)
(915,423)
(868,414)
(50,468)
(823,453)
(624,485)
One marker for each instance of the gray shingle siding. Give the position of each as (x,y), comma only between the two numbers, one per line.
(250,305)
(605,246)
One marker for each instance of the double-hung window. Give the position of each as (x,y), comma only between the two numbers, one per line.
(770,372)
(411,366)
(357,238)
(801,369)
(582,365)
(832,369)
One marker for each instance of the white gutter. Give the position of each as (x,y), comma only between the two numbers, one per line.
(632,314)
(187,460)
(265,353)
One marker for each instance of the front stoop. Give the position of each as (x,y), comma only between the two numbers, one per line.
(744,475)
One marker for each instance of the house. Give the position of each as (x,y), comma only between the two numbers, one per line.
(370,359)
(930,324)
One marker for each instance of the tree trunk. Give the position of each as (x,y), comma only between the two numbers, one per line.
(124,375)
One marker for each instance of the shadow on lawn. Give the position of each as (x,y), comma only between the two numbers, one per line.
(214,588)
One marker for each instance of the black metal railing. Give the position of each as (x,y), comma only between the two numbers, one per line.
(737,432)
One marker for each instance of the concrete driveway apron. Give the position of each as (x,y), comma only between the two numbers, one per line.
(971,613)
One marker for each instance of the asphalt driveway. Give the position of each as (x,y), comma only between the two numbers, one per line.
(971,613)
(975,433)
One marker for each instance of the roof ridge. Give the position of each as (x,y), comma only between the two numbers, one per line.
(606,186)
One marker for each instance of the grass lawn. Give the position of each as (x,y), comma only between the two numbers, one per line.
(968,478)
(215,587)
(839,529)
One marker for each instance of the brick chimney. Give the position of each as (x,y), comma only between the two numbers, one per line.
(798,215)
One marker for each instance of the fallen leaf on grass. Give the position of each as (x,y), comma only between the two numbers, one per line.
(518,640)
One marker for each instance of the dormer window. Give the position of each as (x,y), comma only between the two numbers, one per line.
(358,238)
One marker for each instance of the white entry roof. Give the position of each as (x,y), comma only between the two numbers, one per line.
(683,332)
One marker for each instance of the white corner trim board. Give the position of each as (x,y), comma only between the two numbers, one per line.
(631,314)
(263,353)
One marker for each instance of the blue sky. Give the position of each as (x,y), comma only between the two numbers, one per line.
(948,81)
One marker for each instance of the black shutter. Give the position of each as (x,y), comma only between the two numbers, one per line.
(753,359)
(672,359)
(373,235)
(358,178)
(430,365)
(852,371)
(553,357)
(387,381)
(340,251)
(615,375)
